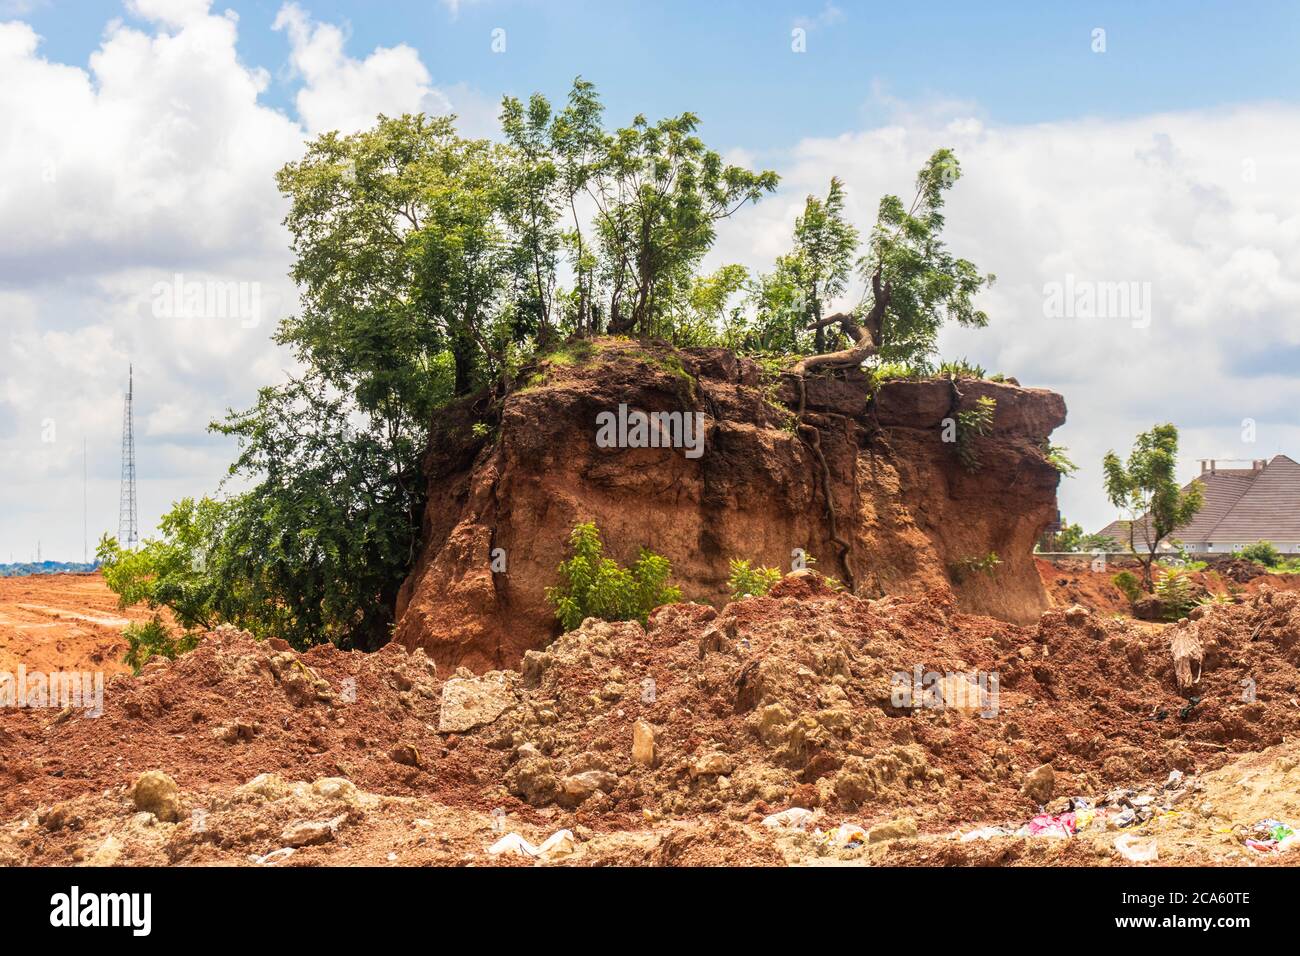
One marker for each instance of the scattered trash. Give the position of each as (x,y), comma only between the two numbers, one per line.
(987,833)
(559,843)
(1271,836)
(1046,824)
(849,835)
(1136,850)
(796,818)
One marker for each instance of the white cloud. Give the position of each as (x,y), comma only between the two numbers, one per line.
(157,159)
(173,13)
(343,93)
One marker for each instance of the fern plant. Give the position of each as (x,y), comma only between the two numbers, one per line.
(972,424)
(1173,587)
(596,586)
(1056,457)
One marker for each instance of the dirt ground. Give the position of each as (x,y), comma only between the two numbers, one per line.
(1072,581)
(673,743)
(51,622)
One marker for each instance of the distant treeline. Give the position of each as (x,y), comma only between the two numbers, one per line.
(45,567)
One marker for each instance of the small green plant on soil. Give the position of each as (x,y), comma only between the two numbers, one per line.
(747,581)
(975,564)
(1173,587)
(152,638)
(973,424)
(960,368)
(596,586)
(1130,584)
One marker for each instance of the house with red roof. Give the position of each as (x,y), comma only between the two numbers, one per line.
(1242,506)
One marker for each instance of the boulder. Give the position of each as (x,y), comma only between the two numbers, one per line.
(155,792)
(1039,784)
(469,702)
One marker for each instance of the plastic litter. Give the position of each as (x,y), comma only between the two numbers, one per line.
(849,834)
(1136,850)
(986,833)
(796,818)
(559,843)
(1272,836)
(1045,824)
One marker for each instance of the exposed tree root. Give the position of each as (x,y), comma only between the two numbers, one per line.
(814,441)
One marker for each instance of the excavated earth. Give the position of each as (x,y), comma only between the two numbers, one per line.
(912,514)
(670,743)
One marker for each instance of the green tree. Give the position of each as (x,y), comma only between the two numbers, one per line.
(577,144)
(401,255)
(823,258)
(1072,537)
(914,283)
(658,192)
(1147,490)
(532,202)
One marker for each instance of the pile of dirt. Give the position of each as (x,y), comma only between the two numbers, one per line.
(1074,581)
(909,516)
(667,742)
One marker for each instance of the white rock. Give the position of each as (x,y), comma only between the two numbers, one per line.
(469,702)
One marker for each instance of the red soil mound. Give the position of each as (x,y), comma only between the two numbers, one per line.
(909,513)
(775,701)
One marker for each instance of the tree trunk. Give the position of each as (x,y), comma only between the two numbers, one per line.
(866,337)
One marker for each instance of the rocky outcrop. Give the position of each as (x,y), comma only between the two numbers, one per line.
(913,517)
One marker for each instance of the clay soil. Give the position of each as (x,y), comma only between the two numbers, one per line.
(770,703)
(1072,581)
(53,622)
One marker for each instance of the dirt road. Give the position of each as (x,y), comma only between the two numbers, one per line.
(62,622)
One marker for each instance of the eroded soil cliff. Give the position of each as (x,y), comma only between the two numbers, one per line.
(913,516)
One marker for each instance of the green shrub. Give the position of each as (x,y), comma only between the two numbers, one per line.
(960,368)
(1261,552)
(746,581)
(1173,587)
(595,586)
(153,638)
(1130,584)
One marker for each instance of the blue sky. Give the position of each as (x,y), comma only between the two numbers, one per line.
(731,61)
(142,138)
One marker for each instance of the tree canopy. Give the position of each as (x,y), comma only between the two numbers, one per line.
(433,266)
